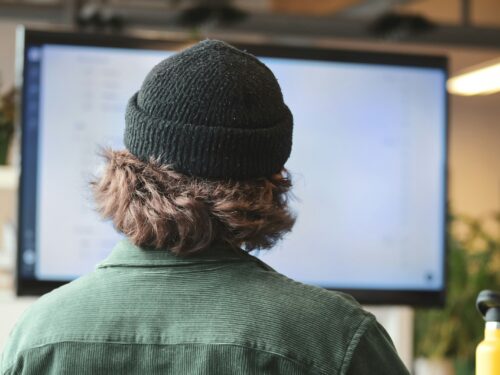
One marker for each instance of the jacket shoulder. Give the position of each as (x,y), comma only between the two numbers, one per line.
(45,320)
(329,305)
(315,326)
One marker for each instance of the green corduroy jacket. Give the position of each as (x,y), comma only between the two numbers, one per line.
(224,312)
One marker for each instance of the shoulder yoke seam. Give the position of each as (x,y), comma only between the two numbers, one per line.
(356,337)
(314,368)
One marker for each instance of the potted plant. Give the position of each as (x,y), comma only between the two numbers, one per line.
(452,333)
(6,123)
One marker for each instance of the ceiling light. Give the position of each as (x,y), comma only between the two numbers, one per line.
(478,80)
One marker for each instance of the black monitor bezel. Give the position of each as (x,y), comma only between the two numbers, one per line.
(368,296)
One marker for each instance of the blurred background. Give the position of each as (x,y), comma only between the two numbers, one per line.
(466,31)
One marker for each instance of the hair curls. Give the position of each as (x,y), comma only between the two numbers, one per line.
(157,207)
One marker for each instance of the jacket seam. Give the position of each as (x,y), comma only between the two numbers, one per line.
(356,338)
(294,361)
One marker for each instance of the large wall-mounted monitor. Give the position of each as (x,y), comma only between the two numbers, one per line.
(368,161)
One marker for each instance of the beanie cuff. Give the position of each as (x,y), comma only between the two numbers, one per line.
(209,151)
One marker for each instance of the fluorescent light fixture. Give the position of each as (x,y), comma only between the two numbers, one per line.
(478,80)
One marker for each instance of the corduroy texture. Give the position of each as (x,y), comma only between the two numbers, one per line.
(222,312)
(211,111)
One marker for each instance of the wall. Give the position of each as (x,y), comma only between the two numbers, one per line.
(475,143)
(7,50)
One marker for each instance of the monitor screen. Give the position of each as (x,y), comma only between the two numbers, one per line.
(368,162)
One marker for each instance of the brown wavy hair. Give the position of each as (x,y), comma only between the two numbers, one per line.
(157,207)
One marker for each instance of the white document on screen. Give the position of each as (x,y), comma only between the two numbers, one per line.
(367,164)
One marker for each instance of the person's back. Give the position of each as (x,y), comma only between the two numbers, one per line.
(143,312)
(180,295)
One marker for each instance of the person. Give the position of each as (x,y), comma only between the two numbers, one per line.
(200,185)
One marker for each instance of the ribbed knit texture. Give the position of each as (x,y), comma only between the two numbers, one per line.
(149,312)
(211,111)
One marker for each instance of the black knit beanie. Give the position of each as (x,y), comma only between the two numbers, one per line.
(211,111)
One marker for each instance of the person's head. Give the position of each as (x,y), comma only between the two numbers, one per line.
(207,136)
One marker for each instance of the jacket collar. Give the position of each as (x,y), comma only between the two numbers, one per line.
(126,254)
